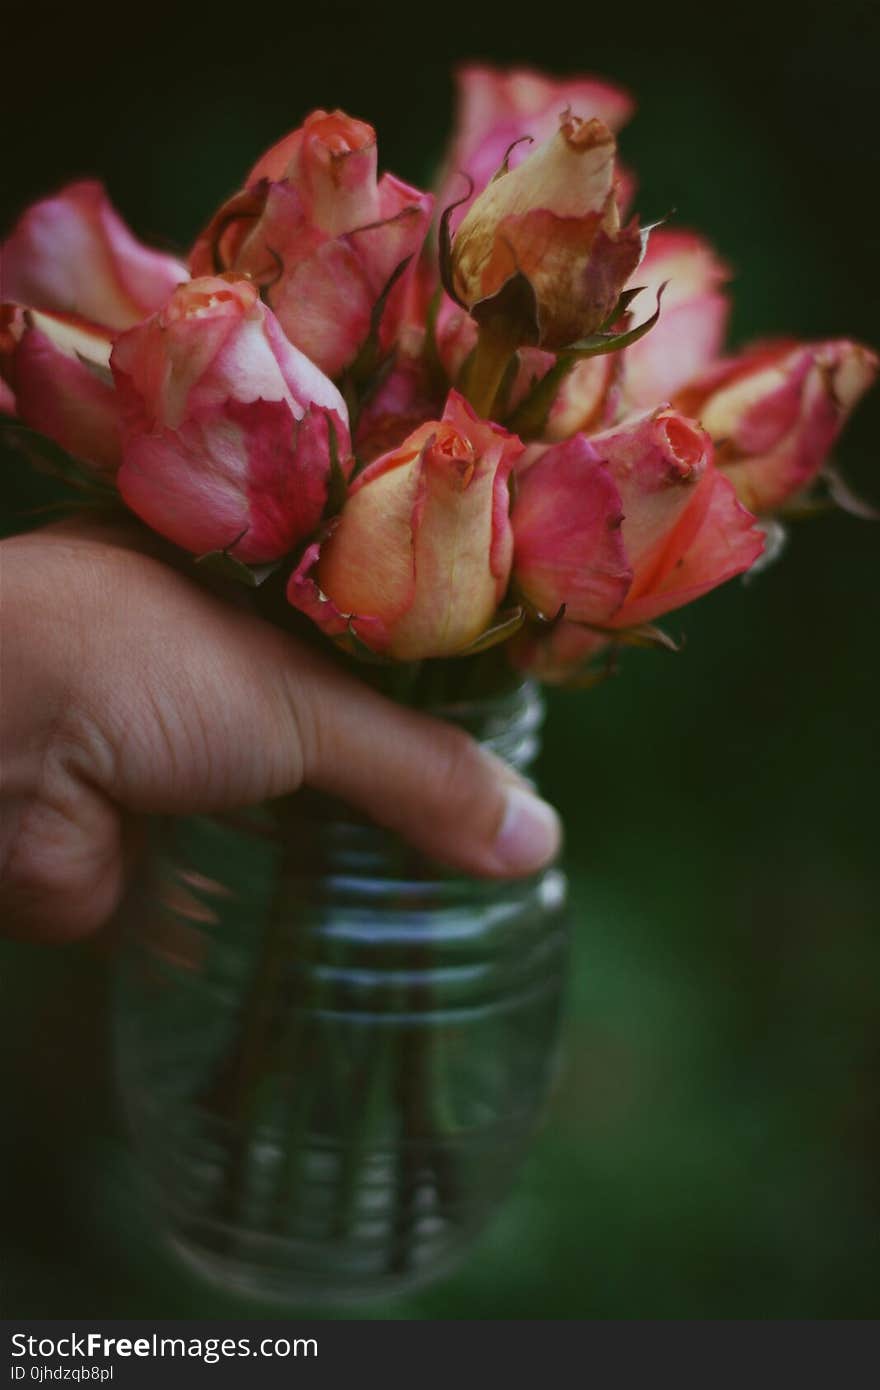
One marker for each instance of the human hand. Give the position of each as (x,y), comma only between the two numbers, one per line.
(127,689)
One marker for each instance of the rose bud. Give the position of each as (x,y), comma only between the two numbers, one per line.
(73,254)
(541,252)
(684,530)
(323,238)
(775,411)
(57,371)
(420,557)
(229,432)
(496,108)
(683,533)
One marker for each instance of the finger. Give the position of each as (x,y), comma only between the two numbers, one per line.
(421,777)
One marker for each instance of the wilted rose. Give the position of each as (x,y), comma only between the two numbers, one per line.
(497,107)
(542,247)
(420,557)
(229,432)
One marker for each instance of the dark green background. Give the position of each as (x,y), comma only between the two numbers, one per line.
(714,1149)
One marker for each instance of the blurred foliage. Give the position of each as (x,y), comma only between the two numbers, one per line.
(714,1149)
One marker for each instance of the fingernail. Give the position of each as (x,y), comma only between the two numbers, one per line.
(530,833)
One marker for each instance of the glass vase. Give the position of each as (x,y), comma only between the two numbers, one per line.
(333,1054)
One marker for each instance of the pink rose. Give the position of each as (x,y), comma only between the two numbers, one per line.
(775,411)
(498,107)
(322,237)
(227,429)
(73,254)
(684,530)
(420,557)
(541,249)
(57,371)
(72,275)
(682,533)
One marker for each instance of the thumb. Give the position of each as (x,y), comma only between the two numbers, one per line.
(419,776)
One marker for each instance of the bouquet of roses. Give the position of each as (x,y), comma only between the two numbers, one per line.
(439,441)
(413,428)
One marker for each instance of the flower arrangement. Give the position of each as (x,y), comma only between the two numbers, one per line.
(458,440)
(436,442)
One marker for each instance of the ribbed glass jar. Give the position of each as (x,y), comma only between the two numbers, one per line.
(331,1053)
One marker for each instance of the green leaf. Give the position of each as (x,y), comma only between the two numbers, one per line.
(445,244)
(337,484)
(515,305)
(504,166)
(369,353)
(355,646)
(506,626)
(621,307)
(48,457)
(600,342)
(363,378)
(227,566)
(641,635)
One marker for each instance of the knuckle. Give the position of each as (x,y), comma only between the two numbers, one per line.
(40,879)
(60,873)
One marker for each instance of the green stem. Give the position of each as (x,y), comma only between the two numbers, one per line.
(233,1094)
(484,371)
(357,1130)
(530,416)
